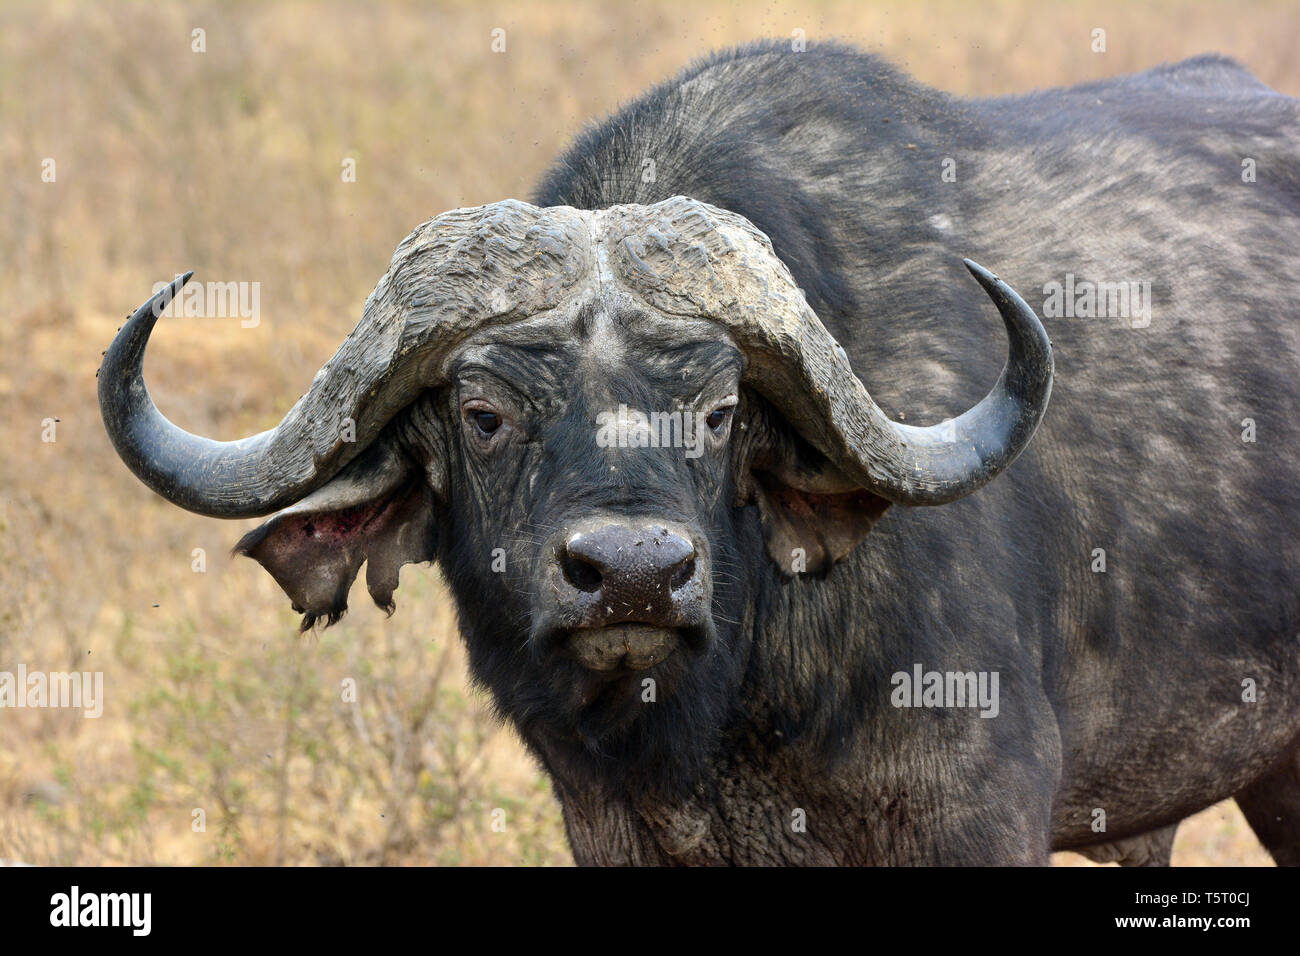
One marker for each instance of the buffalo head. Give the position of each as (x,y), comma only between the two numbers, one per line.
(573,411)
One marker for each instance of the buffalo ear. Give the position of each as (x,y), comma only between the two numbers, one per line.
(379,509)
(812,515)
(808,531)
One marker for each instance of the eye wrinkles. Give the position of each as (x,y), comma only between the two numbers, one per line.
(516,384)
(531,420)
(681,376)
(509,368)
(691,375)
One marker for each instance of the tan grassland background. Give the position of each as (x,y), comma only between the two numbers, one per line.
(228,162)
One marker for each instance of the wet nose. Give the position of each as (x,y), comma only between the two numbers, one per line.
(631,574)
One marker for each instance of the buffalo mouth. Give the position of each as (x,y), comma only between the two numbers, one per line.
(623,648)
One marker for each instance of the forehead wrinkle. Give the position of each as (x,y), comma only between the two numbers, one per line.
(685,370)
(607,347)
(512,360)
(652,337)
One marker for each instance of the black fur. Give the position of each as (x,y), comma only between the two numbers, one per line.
(1120,690)
(837,157)
(549,475)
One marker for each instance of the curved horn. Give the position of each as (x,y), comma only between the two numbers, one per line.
(941,463)
(685,257)
(223,479)
(504,262)
(455,273)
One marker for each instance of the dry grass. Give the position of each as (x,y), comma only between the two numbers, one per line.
(228,162)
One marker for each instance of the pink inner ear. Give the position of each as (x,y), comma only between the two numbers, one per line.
(338,527)
(315,556)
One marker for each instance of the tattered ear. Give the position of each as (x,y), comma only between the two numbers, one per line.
(378,510)
(812,515)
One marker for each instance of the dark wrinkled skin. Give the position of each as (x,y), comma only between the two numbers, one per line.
(540,473)
(1119,691)
(759,722)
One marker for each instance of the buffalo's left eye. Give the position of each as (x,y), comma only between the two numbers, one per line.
(718,417)
(487,422)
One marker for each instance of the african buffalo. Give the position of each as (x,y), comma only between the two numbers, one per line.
(631,423)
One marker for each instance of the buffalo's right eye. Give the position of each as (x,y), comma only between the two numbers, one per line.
(720,415)
(487,422)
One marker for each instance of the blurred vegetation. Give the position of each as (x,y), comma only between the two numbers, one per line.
(229,162)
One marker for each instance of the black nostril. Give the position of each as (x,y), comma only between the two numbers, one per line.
(685,571)
(579,572)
